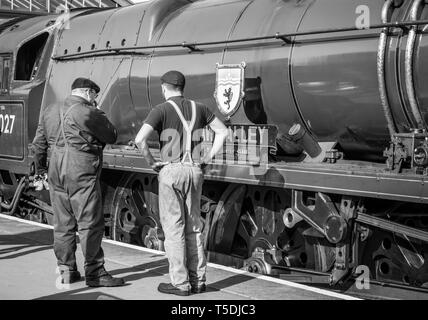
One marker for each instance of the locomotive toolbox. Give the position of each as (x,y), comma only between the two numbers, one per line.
(324,172)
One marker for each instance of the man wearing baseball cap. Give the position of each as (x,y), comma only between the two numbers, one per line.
(180,181)
(77,132)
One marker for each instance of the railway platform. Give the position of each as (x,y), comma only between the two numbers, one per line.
(28,271)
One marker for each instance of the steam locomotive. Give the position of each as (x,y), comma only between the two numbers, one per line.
(325,168)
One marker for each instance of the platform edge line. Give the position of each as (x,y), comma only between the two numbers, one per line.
(210,264)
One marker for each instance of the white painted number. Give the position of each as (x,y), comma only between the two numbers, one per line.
(12,119)
(6,123)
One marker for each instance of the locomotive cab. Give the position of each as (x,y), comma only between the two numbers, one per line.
(25,48)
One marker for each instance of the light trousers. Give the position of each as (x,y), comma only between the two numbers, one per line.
(180,190)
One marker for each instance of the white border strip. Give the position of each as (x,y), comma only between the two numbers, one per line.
(285,282)
(212,265)
(34,223)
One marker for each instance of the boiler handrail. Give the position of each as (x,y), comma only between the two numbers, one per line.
(281,37)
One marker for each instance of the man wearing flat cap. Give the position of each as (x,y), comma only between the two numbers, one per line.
(180,181)
(76,131)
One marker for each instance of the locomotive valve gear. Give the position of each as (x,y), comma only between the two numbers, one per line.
(302,137)
(76,132)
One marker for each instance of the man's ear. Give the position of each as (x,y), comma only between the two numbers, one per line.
(163,90)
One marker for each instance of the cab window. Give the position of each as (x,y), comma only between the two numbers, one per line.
(28,57)
(4,74)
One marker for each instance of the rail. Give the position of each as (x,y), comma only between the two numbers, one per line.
(193,47)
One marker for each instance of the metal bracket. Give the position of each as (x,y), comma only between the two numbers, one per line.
(287,40)
(404,28)
(332,224)
(324,217)
(341,266)
(191,47)
(408,151)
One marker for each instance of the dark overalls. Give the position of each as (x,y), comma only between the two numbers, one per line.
(74,171)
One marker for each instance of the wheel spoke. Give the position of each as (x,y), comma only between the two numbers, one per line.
(243,233)
(135,210)
(136,221)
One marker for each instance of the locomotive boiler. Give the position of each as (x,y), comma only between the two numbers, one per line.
(325,167)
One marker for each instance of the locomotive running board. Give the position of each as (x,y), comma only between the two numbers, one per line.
(392,226)
(344,177)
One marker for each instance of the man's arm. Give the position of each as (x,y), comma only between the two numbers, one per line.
(141,141)
(97,123)
(40,147)
(220,131)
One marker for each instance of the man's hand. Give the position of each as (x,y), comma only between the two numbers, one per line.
(131,145)
(203,165)
(158,165)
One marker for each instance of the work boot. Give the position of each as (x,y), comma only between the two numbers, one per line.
(199,289)
(169,288)
(69,277)
(104,279)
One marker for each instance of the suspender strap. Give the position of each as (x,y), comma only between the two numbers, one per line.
(62,120)
(187,128)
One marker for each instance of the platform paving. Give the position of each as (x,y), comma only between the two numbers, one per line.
(28,271)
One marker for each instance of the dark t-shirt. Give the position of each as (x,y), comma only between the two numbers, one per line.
(165,120)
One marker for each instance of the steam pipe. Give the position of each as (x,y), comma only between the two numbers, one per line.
(12,206)
(387,10)
(44,207)
(408,65)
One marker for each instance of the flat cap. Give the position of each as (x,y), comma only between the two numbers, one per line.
(85,83)
(174,77)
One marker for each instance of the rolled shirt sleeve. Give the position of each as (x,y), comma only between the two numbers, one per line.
(207,114)
(154,119)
